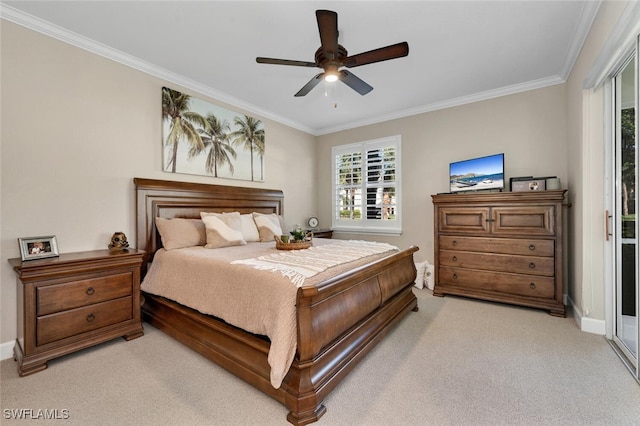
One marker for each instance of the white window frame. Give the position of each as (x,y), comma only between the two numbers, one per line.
(363,225)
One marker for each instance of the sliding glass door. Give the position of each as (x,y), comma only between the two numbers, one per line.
(626,331)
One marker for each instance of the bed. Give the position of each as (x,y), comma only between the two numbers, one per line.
(339,320)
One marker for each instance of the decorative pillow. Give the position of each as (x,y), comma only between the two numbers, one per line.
(249,229)
(268,226)
(223,229)
(178,233)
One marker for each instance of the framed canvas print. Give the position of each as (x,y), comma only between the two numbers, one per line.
(38,247)
(201,138)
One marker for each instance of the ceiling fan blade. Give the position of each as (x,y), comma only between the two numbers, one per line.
(354,82)
(377,55)
(285,62)
(328,26)
(310,85)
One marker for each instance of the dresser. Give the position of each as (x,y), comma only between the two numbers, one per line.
(503,247)
(75,301)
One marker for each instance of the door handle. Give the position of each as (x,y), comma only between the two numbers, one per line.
(607,219)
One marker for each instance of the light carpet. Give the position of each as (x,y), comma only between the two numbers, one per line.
(455,362)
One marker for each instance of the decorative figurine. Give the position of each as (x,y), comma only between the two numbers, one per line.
(118,242)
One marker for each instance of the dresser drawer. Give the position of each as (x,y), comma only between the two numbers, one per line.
(60,325)
(521,285)
(524,247)
(499,262)
(69,295)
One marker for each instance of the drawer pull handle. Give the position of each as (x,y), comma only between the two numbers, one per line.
(454,243)
(455,258)
(532,265)
(532,286)
(90,291)
(90,317)
(455,276)
(532,247)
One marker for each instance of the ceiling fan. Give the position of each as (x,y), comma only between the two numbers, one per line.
(331,56)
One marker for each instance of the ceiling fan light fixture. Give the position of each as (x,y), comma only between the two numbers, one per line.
(331,77)
(331,73)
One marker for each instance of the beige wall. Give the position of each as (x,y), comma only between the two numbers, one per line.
(586,177)
(552,131)
(529,128)
(76,128)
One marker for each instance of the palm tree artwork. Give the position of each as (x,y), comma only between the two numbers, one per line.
(216,140)
(205,139)
(175,110)
(250,135)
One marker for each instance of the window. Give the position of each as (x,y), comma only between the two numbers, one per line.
(366,186)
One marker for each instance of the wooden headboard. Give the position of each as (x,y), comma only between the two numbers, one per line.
(168,199)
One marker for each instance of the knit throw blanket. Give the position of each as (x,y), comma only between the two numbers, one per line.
(300,264)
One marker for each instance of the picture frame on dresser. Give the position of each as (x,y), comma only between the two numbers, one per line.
(528,183)
(38,247)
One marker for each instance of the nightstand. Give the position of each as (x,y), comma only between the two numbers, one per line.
(75,301)
(321,233)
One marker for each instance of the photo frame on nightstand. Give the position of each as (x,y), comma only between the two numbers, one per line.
(38,247)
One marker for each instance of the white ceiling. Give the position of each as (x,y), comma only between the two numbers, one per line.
(459,52)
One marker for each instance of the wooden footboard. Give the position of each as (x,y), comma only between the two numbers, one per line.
(338,324)
(339,321)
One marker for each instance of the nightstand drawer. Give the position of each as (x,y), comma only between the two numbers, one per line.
(60,297)
(69,323)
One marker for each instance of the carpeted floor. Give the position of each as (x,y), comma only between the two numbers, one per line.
(455,362)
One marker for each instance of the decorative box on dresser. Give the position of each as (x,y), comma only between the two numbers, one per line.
(500,246)
(74,301)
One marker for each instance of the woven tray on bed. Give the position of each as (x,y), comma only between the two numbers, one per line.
(294,245)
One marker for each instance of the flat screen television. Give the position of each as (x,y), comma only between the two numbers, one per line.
(477,174)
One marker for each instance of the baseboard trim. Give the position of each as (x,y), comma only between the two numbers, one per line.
(6,350)
(588,325)
(594,326)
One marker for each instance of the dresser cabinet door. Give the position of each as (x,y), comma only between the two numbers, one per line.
(529,220)
(464,219)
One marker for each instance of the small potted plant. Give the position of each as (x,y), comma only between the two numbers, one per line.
(299,234)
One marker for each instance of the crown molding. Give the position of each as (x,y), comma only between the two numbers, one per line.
(618,47)
(44,27)
(589,12)
(41,26)
(450,103)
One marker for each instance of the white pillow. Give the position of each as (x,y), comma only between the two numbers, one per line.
(249,229)
(268,226)
(424,275)
(223,229)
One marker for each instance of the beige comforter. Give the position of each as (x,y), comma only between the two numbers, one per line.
(258,301)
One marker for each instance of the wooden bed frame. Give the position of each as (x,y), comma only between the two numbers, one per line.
(339,321)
